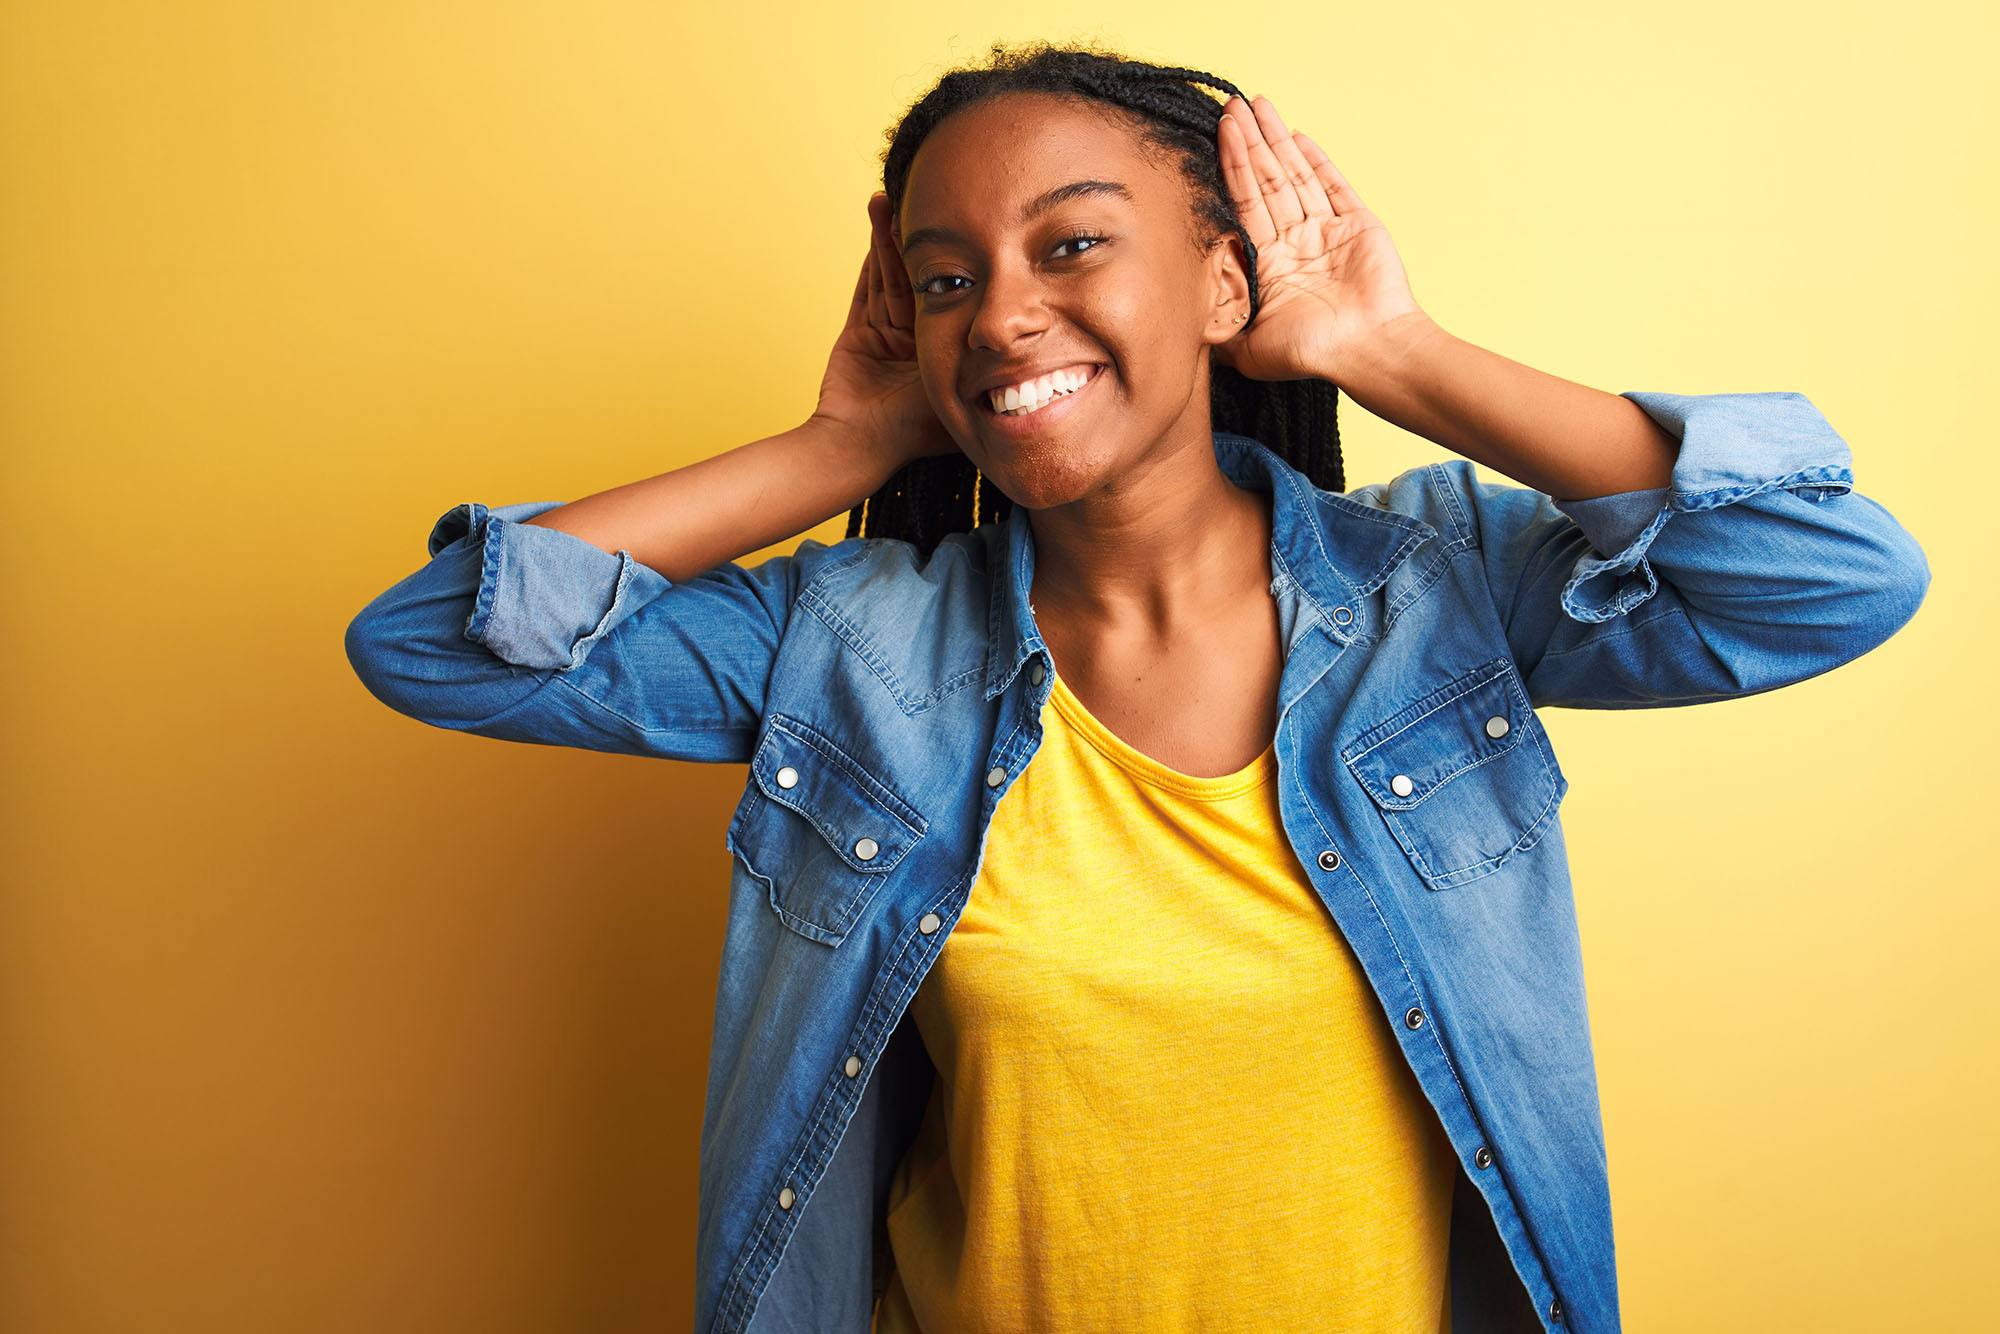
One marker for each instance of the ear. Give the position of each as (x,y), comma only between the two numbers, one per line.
(1227,284)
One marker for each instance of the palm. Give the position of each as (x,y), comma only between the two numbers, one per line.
(872,388)
(871,378)
(1327,272)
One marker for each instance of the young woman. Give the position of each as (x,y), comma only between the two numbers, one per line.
(1148,908)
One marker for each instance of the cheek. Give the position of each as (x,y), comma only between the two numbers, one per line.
(937,371)
(1127,309)
(1140,326)
(937,367)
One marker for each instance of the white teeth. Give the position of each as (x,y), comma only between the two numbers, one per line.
(1021,399)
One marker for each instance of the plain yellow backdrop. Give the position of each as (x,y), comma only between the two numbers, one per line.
(313,1018)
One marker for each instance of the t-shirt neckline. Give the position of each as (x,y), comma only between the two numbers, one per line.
(1149,770)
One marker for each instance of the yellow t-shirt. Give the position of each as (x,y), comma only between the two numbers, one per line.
(1168,1098)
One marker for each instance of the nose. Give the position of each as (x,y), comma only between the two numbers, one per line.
(1011,308)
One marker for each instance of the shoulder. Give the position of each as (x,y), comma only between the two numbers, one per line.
(887,567)
(1425,500)
(1430,491)
(1448,496)
(919,622)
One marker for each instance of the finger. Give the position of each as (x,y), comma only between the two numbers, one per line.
(1338,192)
(878,298)
(1279,196)
(857,308)
(1298,172)
(1232,143)
(898,302)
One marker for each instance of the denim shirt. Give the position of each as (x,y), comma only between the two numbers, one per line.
(885,703)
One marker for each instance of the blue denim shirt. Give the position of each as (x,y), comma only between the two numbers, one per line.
(885,703)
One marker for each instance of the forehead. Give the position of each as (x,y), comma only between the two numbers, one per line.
(980,165)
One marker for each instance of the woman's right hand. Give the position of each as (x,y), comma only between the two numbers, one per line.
(871,392)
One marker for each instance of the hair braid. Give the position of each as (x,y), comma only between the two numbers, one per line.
(931,497)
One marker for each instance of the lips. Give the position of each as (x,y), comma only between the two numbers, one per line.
(1045,415)
(1035,389)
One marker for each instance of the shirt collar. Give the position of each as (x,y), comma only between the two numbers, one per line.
(1332,549)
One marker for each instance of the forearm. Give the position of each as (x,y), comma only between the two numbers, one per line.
(1555,435)
(721,508)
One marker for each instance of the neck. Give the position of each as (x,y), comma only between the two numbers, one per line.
(1155,553)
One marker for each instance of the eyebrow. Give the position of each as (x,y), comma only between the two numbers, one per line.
(1037,206)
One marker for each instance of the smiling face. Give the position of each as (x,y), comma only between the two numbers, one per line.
(1042,235)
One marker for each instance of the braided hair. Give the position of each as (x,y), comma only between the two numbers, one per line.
(938,494)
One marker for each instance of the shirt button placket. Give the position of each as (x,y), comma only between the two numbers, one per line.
(1329,860)
(1413,1018)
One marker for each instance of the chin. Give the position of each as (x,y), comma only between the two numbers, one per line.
(1044,487)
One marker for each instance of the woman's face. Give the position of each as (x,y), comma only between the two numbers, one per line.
(1042,234)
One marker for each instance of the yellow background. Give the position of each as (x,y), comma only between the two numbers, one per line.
(314,1018)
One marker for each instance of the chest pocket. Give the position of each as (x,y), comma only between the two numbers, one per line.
(1464,777)
(818,829)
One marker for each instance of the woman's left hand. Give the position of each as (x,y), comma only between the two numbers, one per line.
(1328,276)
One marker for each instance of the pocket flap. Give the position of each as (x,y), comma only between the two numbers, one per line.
(800,769)
(1475,720)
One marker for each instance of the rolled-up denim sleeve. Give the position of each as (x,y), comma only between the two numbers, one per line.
(1757,566)
(544,597)
(525,633)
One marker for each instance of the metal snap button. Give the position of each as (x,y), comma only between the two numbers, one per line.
(1036,672)
(1329,860)
(995,776)
(1555,1308)
(1483,1158)
(1414,1018)
(1341,615)
(930,923)
(1401,785)
(788,777)
(853,1068)
(1496,726)
(866,849)
(785,1198)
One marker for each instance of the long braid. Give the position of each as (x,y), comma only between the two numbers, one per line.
(1298,419)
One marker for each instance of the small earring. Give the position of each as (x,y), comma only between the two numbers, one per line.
(1241,318)
(975,497)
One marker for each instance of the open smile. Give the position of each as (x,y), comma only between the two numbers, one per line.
(1048,412)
